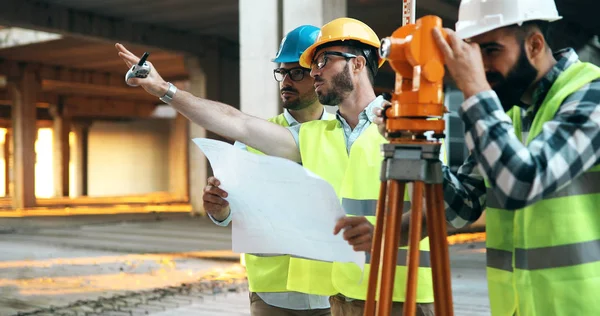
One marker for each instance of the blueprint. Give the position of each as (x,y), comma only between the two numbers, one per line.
(278,206)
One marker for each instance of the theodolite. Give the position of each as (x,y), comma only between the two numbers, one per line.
(416,108)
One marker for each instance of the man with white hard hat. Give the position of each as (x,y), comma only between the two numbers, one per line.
(532,121)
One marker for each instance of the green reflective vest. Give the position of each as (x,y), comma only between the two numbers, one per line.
(544,259)
(269,273)
(355,178)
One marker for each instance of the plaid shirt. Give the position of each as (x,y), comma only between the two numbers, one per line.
(521,175)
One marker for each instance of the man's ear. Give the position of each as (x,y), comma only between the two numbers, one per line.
(360,62)
(536,45)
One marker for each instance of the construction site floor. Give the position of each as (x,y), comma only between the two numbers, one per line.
(152,264)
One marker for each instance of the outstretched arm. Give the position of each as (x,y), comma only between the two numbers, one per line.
(219,118)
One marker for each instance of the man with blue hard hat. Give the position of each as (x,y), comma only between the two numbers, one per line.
(267,274)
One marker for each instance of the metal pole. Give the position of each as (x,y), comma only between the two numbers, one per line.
(408,11)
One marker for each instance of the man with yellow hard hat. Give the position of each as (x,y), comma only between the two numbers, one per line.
(344,62)
(345,152)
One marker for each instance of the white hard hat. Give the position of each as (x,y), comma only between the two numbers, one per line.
(476,17)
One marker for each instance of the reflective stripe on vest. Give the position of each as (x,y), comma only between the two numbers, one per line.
(545,258)
(499,259)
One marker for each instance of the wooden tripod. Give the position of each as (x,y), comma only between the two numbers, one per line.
(425,173)
(416,108)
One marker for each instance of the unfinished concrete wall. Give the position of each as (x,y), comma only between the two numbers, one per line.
(127,158)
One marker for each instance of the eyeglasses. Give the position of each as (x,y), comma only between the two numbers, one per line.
(321,60)
(296,73)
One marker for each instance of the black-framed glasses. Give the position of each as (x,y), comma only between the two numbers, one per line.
(296,73)
(321,60)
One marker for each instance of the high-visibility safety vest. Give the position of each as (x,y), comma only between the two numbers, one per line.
(544,259)
(355,178)
(269,273)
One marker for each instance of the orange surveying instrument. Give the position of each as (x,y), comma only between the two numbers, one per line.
(416,108)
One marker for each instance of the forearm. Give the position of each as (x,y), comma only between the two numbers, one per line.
(520,175)
(464,194)
(214,116)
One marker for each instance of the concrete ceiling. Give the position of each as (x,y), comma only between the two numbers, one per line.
(212,17)
(220,17)
(92,26)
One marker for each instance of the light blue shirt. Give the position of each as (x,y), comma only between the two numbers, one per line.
(288,300)
(365,118)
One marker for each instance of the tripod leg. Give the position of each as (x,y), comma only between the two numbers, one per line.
(391,242)
(443,248)
(416,216)
(376,251)
(440,263)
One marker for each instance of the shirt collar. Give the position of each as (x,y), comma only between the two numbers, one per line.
(292,121)
(367,113)
(564,59)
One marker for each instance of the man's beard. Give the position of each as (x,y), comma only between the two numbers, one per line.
(341,86)
(510,89)
(301,102)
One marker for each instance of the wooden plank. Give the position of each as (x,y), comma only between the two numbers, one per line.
(7,123)
(43,99)
(82,107)
(157,58)
(170,66)
(96,210)
(151,198)
(23,91)
(88,89)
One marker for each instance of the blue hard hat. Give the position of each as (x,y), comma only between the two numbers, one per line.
(295,42)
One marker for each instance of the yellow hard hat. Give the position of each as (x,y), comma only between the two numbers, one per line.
(342,29)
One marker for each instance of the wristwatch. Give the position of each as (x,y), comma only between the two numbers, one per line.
(168,97)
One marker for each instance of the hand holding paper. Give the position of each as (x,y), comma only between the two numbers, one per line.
(278,207)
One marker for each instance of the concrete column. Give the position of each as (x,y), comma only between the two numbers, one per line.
(178,160)
(23,91)
(61,150)
(197,163)
(79,154)
(214,77)
(313,12)
(204,82)
(8,163)
(260,35)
